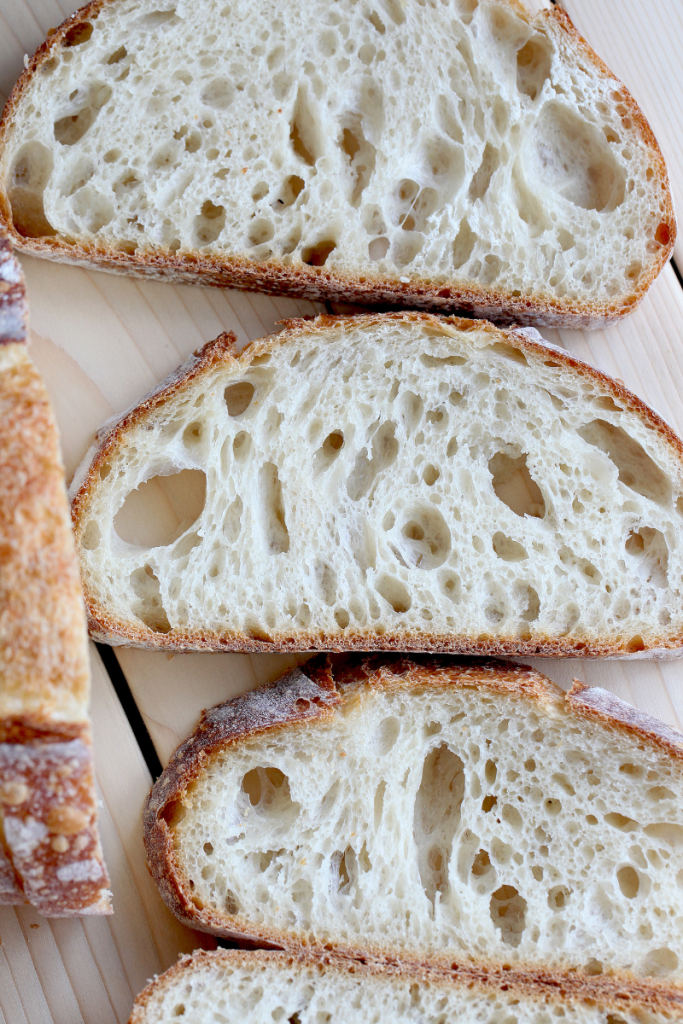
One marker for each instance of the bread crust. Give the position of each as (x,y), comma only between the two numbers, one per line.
(546,989)
(308,696)
(107,629)
(49,844)
(317,283)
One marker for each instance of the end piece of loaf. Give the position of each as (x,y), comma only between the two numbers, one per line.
(50,852)
(431,810)
(228,986)
(509,174)
(397,481)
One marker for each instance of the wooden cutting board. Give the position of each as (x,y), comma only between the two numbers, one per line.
(101,341)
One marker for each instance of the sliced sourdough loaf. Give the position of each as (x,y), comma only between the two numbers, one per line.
(397,481)
(228,987)
(460,155)
(431,810)
(49,848)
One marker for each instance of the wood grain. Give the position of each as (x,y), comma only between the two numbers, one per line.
(101,342)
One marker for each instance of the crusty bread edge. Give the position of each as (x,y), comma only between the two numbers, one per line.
(308,696)
(26,738)
(336,285)
(107,629)
(551,990)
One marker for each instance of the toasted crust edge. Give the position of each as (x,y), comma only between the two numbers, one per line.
(546,989)
(107,629)
(317,283)
(309,695)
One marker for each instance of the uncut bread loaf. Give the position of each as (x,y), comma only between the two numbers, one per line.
(50,852)
(229,987)
(397,481)
(431,810)
(241,144)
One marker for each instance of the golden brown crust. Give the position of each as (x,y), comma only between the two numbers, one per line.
(311,695)
(48,811)
(105,628)
(320,283)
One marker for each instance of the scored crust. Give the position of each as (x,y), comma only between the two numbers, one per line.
(105,627)
(309,695)
(49,847)
(310,282)
(547,989)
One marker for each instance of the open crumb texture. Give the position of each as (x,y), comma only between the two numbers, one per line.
(397,481)
(426,810)
(509,174)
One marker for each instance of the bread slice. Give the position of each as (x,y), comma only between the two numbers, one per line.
(509,173)
(396,481)
(430,810)
(226,985)
(50,853)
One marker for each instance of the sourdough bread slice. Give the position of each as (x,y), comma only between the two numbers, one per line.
(229,987)
(396,481)
(50,852)
(433,810)
(508,173)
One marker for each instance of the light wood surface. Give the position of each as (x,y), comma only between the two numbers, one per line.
(88,970)
(101,342)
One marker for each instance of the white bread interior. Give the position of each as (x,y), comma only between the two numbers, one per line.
(435,815)
(463,145)
(397,480)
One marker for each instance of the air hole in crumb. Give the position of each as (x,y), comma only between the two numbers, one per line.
(161,509)
(508,909)
(514,485)
(149,607)
(431,475)
(91,536)
(378,248)
(30,172)
(218,94)
(629,882)
(293,187)
(238,397)
(436,817)
(78,34)
(316,255)
(507,549)
(260,230)
(272,502)
(268,792)
(305,134)
(118,55)
(209,223)
(394,593)
(425,537)
(650,550)
(533,66)
(70,129)
(635,467)
(342,618)
(558,896)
